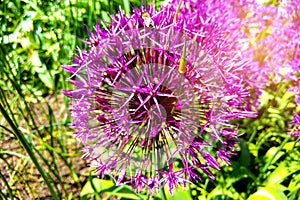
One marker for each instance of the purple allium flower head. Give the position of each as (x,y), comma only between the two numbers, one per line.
(274,44)
(151,90)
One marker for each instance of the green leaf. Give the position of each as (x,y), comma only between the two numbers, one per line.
(253,149)
(105,16)
(46,79)
(221,192)
(281,172)
(45,76)
(274,111)
(179,194)
(270,153)
(35,59)
(127,195)
(268,193)
(245,158)
(289,146)
(99,186)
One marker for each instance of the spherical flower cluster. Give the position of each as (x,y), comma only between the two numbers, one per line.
(153,90)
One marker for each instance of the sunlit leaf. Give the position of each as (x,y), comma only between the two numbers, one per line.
(179,194)
(281,172)
(99,186)
(268,193)
(271,152)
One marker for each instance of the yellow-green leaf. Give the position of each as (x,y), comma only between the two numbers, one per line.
(268,193)
(99,186)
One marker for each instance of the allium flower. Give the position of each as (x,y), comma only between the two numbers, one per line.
(272,39)
(151,91)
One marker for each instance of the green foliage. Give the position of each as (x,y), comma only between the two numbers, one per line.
(39,157)
(267,163)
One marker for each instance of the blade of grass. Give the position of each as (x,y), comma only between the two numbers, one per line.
(7,186)
(31,113)
(7,105)
(27,147)
(7,129)
(274,155)
(16,154)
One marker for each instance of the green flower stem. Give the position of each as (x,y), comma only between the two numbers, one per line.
(162,193)
(126,4)
(252,136)
(158,166)
(149,197)
(177,11)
